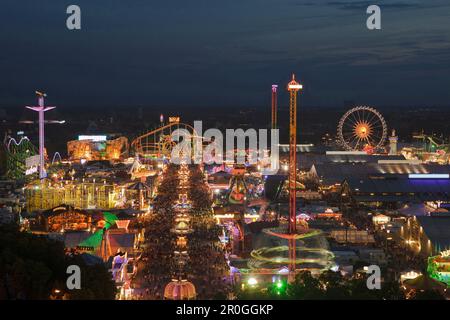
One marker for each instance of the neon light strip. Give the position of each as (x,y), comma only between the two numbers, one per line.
(429,176)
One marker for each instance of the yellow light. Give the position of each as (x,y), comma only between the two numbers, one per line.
(252,281)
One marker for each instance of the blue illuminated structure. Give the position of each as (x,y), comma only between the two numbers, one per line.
(428,176)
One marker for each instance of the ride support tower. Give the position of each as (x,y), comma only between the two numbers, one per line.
(274,106)
(293,88)
(41,108)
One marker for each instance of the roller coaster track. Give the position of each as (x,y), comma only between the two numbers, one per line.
(432,140)
(16,153)
(56,156)
(158,143)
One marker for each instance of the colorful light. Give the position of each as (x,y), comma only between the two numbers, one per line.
(429,176)
(252,281)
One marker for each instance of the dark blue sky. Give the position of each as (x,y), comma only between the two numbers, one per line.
(228,52)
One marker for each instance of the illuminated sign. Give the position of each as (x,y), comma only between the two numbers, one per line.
(429,176)
(445,253)
(31,170)
(92,137)
(295,86)
(174,119)
(32,161)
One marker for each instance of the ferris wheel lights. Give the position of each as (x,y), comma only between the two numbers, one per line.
(362,129)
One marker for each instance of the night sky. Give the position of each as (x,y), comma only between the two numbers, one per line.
(224,53)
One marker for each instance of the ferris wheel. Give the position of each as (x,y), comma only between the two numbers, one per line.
(362,128)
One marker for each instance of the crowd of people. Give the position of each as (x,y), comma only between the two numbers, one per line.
(206,267)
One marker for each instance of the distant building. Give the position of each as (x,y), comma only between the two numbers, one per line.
(11,196)
(89,148)
(393,141)
(335,173)
(6,215)
(372,255)
(396,190)
(352,236)
(380,220)
(427,235)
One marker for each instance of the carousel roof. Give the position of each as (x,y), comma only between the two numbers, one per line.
(138,186)
(424,282)
(180,290)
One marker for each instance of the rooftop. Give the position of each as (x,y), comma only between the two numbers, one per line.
(437,230)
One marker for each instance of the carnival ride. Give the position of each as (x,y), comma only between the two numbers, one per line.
(428,148)
(115,149)
(16,155)
(311,250)
(157,144)
(284,247)
(276,258)
(84,195)
(56,158)
(362,129)
(439,267)
(64,218)
(41,109)
(93,243)
(432,143)
(274,106)
(238,190)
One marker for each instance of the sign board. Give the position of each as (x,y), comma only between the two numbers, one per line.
(95,138)
(31,170)
(32,161)
(174,119)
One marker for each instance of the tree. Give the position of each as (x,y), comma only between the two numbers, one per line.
(32,266)
(96,282)
(328,285)
(305,287)
(428,295)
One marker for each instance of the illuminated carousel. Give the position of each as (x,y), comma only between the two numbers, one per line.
(290,252)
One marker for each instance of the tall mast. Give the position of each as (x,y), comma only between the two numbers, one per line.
(293,88)
(274,106)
